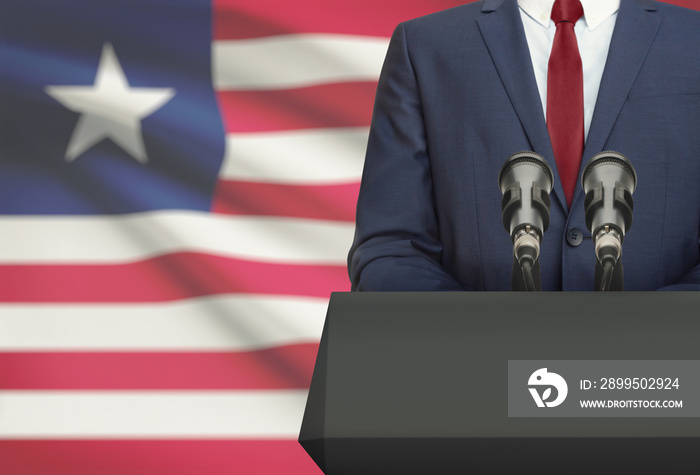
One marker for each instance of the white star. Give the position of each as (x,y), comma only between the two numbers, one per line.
(110,108)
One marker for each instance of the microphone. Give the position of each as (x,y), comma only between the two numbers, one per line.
(526,181)
(609,179)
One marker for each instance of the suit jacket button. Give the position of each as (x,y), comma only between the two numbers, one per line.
(574,237)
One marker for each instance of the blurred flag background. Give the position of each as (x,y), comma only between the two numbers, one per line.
(177,193)
(177,190)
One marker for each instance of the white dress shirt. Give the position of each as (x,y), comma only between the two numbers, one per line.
(593,33)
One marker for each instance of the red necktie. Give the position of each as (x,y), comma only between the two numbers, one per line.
(565,95)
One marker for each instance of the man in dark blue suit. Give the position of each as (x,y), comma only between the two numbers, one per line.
(459,93)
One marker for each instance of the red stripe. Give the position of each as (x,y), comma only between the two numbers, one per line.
(330,105)
(155,457)
(694,4)
(328,202)
(235,19)
(165,278)
(285,367)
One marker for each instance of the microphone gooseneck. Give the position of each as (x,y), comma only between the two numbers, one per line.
(525,181)
(609,179)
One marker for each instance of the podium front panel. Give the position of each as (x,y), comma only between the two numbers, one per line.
(448,382)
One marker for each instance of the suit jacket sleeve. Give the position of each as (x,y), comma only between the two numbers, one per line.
(397,244)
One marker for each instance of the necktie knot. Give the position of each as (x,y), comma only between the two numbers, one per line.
(567,10)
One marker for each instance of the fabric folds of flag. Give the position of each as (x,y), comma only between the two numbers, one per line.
(177,192)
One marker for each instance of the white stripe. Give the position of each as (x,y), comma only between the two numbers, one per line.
(151,414)
(228,323)
(298,157)
(290,61)
(117,239)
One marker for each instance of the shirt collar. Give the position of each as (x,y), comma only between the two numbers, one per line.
(594,11)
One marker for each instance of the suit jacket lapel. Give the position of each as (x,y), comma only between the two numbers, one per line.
(635,30)
(502,30)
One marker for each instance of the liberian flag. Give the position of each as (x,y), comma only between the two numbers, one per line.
(177,190)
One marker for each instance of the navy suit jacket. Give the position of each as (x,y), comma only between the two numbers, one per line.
(457,96)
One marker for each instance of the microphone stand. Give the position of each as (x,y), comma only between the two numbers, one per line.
(524,280)
(525,274)
(609,279)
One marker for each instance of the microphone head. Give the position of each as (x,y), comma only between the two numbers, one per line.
(526,181)
(525,164)
(609,167)
(609,179)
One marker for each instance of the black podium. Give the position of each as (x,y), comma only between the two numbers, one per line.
(491,383)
